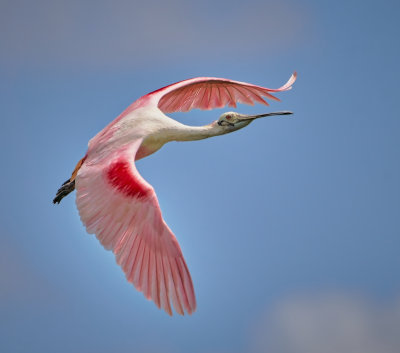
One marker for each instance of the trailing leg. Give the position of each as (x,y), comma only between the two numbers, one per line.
(69,185)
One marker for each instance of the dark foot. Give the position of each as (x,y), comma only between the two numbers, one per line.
(64,190)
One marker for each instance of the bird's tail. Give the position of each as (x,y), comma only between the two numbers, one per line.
(68,185)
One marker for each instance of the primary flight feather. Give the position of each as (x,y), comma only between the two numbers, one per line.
(122,209)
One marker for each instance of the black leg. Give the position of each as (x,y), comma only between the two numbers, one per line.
(64,190)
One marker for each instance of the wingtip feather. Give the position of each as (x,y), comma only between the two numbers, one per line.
(288,85)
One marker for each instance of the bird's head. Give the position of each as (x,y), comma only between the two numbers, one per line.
(234,121)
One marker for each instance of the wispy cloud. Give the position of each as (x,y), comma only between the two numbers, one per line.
(122,33)
(329,323)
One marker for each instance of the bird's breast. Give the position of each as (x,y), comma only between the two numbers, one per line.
(148,147)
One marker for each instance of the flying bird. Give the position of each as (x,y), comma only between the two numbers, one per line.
(122,209)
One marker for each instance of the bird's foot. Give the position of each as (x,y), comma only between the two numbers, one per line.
(64,190)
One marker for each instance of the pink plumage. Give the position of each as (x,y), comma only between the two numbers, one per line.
(208,93)
(122,209)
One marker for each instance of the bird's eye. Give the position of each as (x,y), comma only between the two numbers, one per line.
(228,117)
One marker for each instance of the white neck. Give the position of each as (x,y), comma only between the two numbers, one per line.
(192,133)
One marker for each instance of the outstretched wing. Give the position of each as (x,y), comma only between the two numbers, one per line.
(205,93)
(122,209)
(210,92)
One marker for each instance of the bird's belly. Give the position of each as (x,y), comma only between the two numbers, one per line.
(147,148)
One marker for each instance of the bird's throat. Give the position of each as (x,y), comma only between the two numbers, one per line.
(193,133)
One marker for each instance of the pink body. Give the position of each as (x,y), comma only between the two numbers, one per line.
(122,209)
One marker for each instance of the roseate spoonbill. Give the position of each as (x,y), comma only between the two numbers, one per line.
(122,209)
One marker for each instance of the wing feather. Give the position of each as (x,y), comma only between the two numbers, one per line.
(230,100)
(204,99)
(255,97)
(210,92)
(165,286)
(121,208)
(241,96)
(218,99)
(153,279)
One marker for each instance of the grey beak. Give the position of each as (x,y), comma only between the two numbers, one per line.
(252,117)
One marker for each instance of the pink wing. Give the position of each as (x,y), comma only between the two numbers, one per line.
(211,92)
(122,209)
(205,93)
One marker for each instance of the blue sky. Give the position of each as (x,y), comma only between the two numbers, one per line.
(290,227)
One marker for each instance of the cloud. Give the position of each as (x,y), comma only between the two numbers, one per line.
(329,323)
(124,33)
